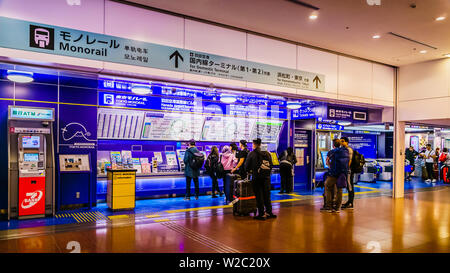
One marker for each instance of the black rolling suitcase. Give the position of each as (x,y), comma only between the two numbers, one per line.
(228,186)
(244,201)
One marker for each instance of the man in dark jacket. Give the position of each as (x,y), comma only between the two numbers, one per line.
(189,172)
(260,179)
(410,155)
(337,161)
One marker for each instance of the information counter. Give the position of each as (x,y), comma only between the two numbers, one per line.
(121,189)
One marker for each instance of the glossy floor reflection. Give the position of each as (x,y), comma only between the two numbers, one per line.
(418,223)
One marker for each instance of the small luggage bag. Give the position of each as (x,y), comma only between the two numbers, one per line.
(244,198)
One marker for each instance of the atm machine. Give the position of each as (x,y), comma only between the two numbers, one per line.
(31,174)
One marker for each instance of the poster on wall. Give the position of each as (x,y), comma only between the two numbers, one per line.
(172,126)
(74,163)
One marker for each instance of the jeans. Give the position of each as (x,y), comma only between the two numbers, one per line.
(350,188)
(188,186)
(286,177)
(330,190)
(215,184)
(261,187)
(430,171)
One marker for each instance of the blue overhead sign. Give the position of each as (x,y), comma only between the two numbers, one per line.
(329,127)
(24,35)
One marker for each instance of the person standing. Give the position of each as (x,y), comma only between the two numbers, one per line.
(241,157)
(211,167)
(189,172)
(429,156)
(410,155)
(350,182)
(437,153)
(259,164)
(228,160)
(337,162)
(287,163)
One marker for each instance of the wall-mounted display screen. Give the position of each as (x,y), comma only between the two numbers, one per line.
(30,157)
(30,142)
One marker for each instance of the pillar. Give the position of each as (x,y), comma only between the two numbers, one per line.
(398,179)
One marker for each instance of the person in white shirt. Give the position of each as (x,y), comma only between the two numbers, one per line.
(429,155)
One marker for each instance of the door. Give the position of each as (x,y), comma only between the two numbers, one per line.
(302,149)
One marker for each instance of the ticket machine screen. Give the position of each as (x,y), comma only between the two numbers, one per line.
(30,157)
(30,142)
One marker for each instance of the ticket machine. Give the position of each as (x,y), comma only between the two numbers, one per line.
(30,162)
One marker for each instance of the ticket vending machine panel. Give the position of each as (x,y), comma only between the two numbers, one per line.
(31,162)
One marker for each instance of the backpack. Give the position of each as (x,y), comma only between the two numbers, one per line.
(264,168)
(209,165)
(443,157)
(197,160)
(358,162)
(220,170)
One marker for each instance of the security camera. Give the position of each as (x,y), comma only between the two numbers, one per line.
(413,5)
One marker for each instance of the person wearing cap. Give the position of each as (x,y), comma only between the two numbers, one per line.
(241,156)
(189,172)
(260,179)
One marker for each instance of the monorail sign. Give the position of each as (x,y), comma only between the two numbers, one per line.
(30,36)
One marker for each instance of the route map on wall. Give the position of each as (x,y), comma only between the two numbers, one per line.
(227,129)
(172,126)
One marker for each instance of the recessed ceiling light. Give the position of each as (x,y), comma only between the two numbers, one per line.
(376,36)
(440,18)
(141,89)
(313,16)
(293,104)
(423,51)
(228,98)
(19,76)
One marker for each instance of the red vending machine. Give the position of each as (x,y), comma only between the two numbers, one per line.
(31,161)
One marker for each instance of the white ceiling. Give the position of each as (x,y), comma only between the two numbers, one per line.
(286,20)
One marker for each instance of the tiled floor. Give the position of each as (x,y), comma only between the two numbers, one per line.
(418,223)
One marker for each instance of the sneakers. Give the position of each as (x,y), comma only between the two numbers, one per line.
(433,181)
(336,211)
(347,206)
(259,217)
(325,209)
(271,215)
(428,180)
(187,198)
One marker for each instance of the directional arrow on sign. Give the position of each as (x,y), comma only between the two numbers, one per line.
(177,55)
(317,81)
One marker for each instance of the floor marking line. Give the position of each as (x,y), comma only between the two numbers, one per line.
(152,216)
(215,245)
(195,235)
(121,216)
(203,237)
(200,208)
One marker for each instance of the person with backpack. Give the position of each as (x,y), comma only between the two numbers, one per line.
(338,168)
(259,165)
(350,183)
(193,161)
(211,166)
(287,163)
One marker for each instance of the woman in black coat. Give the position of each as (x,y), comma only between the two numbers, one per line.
(211,167)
